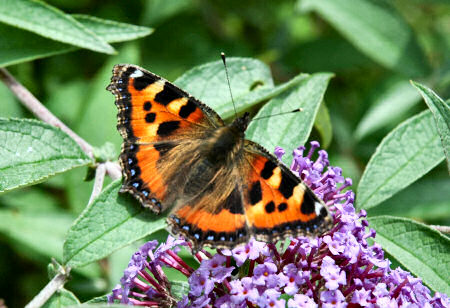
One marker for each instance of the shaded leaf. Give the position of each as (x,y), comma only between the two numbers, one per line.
(441,113)
(112,221)
(420,249)
(31,151)
(290,130)
(405,154)
(375,28)
(323,125)
(62,298)
(50,22)
(18,45)
(425,199)
(395,98)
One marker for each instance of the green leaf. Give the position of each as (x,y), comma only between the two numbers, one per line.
(376,29)
(99,101)
(40,233)
(110,222)
(323,125)
(50,22)
(393,99)
(426,199)
(405,154)
(18,45)
(441,113)
(112,31)
(208,82)
(290,130)
(179,289)
(420,249)
(62,298)
(8,106)
(31,151)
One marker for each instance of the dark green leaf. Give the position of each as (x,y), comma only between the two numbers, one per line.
(425,199)
(376,29)
(323,125)
(393,99)
(110,222)
(49,22)
(420,249)
(405,154)
(18,45)
(290,130)
(31,151)
(441,113)
(62,298)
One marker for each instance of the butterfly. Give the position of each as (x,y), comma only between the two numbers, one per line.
(177,152)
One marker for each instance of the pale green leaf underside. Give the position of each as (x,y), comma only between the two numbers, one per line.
(62,298)
(441,113)
(420,249)
(112,221)
(48,21)
(18,45)
(31,151)
(407,153)
(290,130)
(376,29)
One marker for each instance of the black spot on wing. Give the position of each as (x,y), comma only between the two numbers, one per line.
(255,193)
(282,207)
(147,106)
(187,109)
(309,203)
(268,169)
(168,94)
(287,185)
(150,117)
(142,82)
(167,128)
(233,203)
(270,207)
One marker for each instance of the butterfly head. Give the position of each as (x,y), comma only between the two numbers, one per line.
(240,124)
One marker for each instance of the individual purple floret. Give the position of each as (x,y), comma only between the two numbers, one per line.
(337,269)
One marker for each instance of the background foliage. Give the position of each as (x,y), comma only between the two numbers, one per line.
(365,53)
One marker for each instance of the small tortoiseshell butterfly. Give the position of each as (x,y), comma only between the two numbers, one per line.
(178,152)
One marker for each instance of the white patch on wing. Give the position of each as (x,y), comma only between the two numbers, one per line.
(137,74)
(317,207)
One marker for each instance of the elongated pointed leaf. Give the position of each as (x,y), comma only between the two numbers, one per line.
(376,29)
(406,154)
(441,113)
(49,22)
(420,249)
(112,221)
(323,125)
(394,98)
(31,151)
(290,130)
(17,45)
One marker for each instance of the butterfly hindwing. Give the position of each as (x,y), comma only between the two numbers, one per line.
(277,202)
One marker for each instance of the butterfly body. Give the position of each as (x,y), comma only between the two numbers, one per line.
(222,188)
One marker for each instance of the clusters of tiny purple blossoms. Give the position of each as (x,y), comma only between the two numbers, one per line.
(336,269)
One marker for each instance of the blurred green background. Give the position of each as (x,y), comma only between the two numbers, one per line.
(369,95)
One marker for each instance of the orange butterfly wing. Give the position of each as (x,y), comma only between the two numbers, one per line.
(277,202)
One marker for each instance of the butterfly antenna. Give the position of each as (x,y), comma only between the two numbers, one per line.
(281,113)
(228,80)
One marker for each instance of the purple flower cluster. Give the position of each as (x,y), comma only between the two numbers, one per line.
(337,269)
